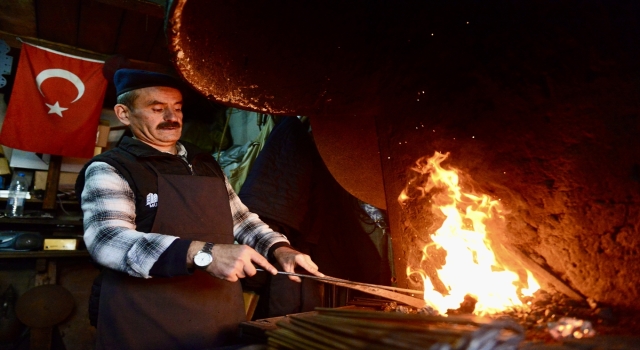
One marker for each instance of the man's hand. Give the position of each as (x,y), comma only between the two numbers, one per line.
(231,261)
(290,258)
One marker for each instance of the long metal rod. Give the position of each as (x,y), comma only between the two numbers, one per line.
(367,288)
(340,280)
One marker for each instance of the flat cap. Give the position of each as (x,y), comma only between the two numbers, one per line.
(130,79)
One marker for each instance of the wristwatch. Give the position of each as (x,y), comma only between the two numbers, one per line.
(203,258)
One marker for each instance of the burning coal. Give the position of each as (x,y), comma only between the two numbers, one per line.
(458,266)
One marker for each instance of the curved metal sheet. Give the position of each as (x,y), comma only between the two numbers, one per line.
(300,57)
(330,60)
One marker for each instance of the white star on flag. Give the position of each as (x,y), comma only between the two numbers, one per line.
(44,75)
(56,109)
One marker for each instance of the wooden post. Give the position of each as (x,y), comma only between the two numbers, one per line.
(46,272)
(40,338)
(53,177)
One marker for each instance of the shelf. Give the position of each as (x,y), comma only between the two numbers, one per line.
(44,254)
(61,220)
(33,199)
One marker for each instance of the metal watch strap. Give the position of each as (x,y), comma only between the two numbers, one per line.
(207,247)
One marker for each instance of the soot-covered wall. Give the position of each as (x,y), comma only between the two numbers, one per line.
(543,113)
(539,102)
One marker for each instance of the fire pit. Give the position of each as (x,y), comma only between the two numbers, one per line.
(546,322)
(457,254)
(535,103)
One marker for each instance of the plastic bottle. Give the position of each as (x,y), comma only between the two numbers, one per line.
(17,193)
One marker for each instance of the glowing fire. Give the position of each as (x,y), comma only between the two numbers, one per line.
(471,267)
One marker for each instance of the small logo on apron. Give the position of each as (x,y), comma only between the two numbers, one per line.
(152,200)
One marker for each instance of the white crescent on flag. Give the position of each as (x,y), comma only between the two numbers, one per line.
(32,127)
(64,74)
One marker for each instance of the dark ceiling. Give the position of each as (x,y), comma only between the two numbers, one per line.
(131,28)
(124,33)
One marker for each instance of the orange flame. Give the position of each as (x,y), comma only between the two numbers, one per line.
(470,266)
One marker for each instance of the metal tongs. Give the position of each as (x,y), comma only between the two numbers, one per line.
(375,289)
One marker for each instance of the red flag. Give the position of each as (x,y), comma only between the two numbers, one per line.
(55,104)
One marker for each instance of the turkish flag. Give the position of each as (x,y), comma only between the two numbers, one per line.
(55,104)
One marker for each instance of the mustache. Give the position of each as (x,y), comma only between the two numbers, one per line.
(167,125)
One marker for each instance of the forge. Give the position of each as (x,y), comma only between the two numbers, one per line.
(538,103)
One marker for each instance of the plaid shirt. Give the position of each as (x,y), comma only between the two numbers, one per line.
(110,234)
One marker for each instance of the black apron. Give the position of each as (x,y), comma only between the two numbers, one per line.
(186,312)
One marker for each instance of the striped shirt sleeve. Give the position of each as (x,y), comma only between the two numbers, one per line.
(108,205)
(110,234)
(248,228)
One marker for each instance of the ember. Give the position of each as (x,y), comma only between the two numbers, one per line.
(467,273)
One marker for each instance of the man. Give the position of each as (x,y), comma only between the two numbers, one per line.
(162,219)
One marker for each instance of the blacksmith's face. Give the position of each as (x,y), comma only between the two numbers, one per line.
(157,116)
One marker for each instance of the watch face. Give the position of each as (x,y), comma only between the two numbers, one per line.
(202,259)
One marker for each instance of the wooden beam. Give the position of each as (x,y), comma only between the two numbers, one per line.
(139,46)
(58,20)
(98,20)
(40,338)
(47,272)
(153,8)
(18,17)
(16,41)
(53,177)
(13,40)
